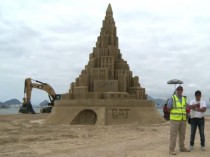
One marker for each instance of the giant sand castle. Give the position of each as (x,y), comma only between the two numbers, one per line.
(106,92)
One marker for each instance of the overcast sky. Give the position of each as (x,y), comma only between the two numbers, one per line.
(50,41)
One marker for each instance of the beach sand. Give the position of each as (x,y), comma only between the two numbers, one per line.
(29,136)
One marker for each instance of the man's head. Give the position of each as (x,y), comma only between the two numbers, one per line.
(179,90)
(198,95)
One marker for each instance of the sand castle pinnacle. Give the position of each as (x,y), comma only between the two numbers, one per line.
(108,36)
(109,10)
(105,93)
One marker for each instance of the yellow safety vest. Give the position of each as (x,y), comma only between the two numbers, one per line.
(178,111)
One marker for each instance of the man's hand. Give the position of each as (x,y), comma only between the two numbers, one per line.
(193,106)
(201,109)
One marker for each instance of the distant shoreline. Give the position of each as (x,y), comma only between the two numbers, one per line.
(15,111)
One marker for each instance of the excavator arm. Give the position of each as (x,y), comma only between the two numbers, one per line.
(29,85)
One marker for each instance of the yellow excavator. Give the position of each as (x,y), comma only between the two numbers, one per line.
(29,85)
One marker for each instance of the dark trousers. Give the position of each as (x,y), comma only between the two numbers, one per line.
(200,123)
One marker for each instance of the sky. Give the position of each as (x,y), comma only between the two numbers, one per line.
(50,41)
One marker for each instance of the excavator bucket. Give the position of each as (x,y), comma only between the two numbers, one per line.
(27,108)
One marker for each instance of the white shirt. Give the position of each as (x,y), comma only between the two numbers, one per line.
(196,114)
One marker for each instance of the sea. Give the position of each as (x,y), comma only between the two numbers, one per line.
(15,110)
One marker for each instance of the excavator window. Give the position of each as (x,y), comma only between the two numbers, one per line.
(57,96)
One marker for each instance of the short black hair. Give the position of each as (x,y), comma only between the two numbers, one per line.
(197,93)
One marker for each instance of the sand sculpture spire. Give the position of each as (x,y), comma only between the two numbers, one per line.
(108,35)
(109,10)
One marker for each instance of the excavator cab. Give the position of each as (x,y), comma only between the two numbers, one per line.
(57,96)
(48,109)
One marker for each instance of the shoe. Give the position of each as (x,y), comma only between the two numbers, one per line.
(203,148)
(184,150)
(191,148)
(172,152)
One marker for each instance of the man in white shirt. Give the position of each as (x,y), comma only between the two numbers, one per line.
(198,109)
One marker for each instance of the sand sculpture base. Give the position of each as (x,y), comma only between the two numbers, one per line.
(104,112)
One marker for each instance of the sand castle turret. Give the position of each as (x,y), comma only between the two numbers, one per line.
(106,91)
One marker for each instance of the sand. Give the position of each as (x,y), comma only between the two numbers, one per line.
(29,136)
